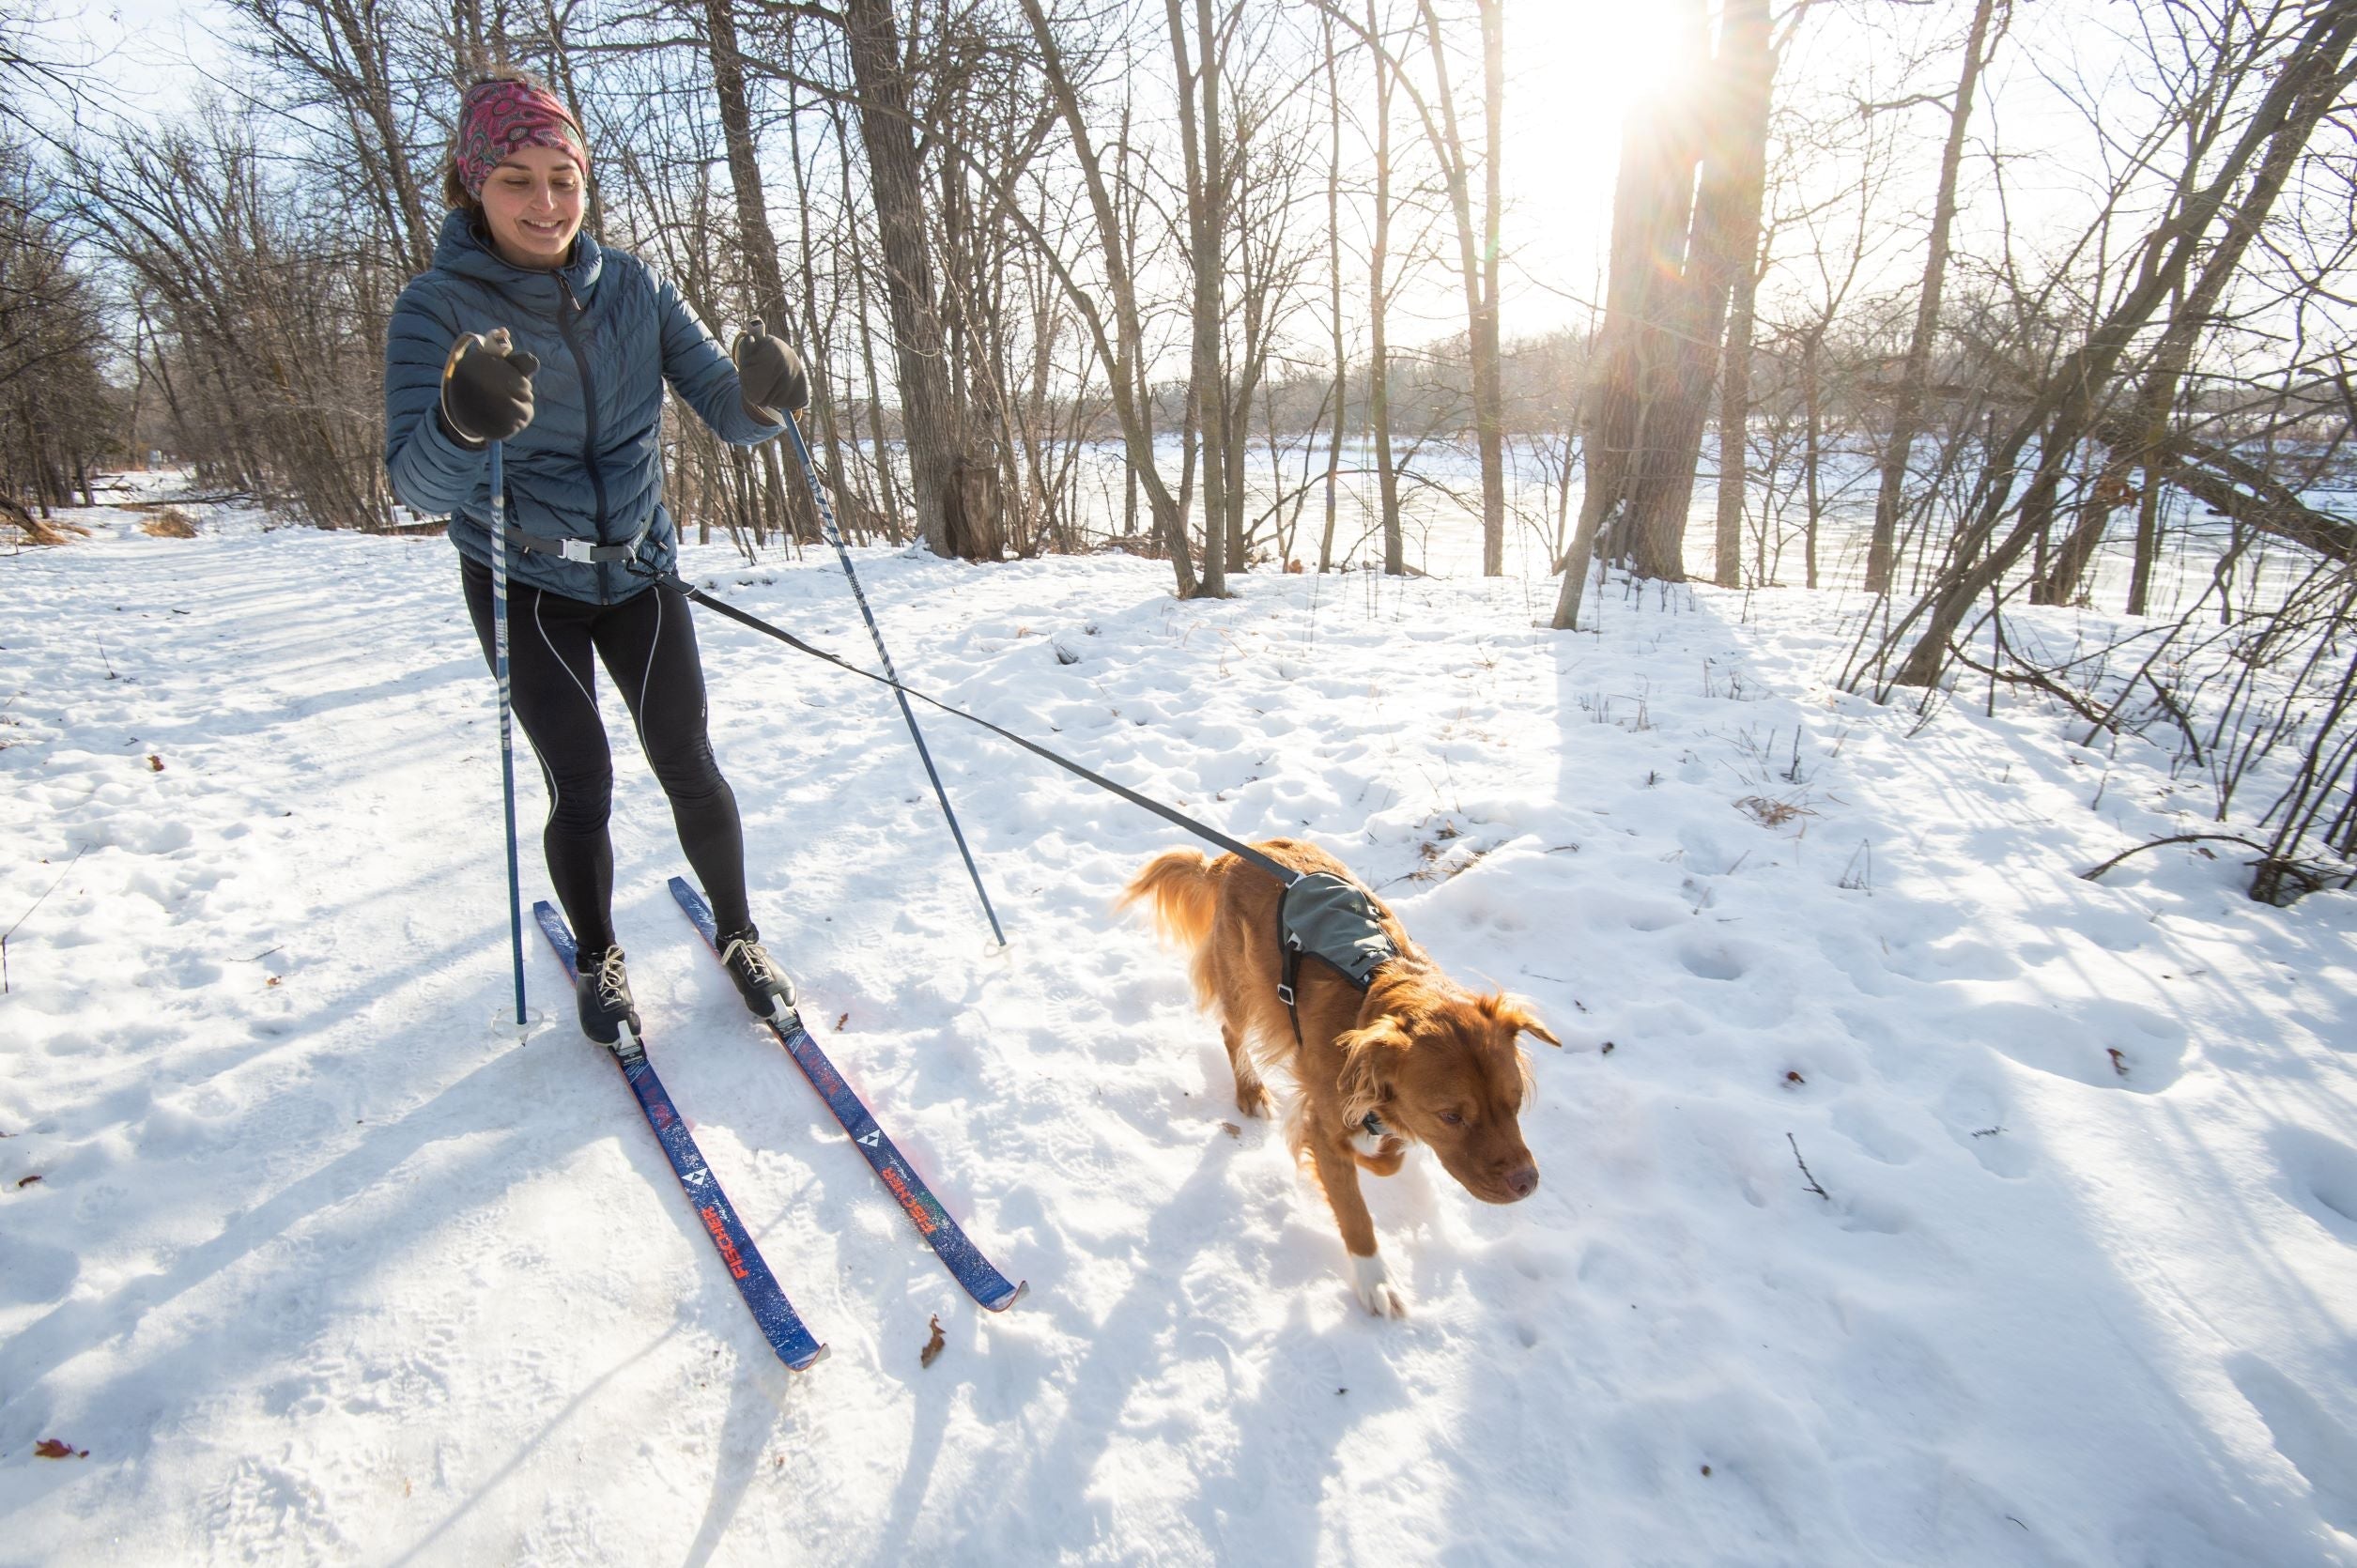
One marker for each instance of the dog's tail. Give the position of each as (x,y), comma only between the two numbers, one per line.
(1177,888)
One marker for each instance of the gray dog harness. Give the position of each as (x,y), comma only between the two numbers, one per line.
(1322,915)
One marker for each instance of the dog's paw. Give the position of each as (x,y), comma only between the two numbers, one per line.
(1251,1099)
(1372,1282)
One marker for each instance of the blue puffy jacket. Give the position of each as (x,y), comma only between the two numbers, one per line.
(609,333)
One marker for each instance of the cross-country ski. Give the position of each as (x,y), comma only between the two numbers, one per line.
(780,1325)
(977,1273)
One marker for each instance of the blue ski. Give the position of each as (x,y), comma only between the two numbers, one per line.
(980,1277)
(779,1323)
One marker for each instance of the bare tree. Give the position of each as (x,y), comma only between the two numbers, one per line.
(2304,74)
(1907,397)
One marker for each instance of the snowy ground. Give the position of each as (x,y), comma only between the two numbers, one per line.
(322,1265)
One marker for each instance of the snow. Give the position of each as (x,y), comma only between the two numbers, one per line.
(326,1264)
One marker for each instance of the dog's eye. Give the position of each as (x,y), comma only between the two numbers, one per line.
(1453,1118)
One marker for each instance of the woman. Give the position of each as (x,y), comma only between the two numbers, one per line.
(575,391)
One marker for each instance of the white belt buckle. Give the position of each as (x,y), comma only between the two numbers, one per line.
(576,549)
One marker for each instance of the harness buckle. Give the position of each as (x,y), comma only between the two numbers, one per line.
(576,549)
(1285,994)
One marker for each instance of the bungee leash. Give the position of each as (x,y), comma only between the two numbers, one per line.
(1320,914)
(1285,874)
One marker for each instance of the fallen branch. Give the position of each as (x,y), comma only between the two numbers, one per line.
(1812,1186)
(220,499)
(2235,486)
(2172,839)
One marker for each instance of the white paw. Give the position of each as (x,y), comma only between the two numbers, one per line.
(1372,1282)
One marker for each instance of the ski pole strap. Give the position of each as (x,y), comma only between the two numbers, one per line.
(1286,875)
(576,549)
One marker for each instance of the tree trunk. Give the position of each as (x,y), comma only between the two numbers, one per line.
(1907,403)
(1749,168)
(1810,474)
(1122,347)
(1611,405)
(1477,260)
(931,426)
(1379,400)
(1682,343)
(1206,232)
(758,241)
(1334,282)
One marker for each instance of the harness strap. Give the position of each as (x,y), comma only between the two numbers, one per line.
(1291,948)
(577,549)
(1286,875)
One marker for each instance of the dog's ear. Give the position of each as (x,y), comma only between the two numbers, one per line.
(1370,1057)
(1515,1013)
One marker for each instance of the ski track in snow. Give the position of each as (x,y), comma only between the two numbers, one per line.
(324,1265)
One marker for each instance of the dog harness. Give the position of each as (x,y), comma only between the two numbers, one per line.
(1324,916)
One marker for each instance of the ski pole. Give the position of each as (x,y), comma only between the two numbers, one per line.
(507,740)
(834,537)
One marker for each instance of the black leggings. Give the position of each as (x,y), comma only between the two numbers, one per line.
(648,645)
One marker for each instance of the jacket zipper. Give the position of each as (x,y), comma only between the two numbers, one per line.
(589,409)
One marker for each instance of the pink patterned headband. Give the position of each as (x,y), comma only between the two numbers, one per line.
(496,119)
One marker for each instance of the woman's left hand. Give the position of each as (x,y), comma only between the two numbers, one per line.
(770,378)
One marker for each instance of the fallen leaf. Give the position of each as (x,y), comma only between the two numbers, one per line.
(933,1347)
(840,1021)
(1795,1078)
(1607,1048)
(155,763)
(27,1181)
(1706,1469)
(1231,1129)
(2120,1063)
(271,981)
(49,1448)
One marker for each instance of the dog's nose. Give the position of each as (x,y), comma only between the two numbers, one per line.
(1523,1182)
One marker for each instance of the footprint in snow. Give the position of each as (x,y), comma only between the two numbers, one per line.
(2320,1177)
(2319,1447)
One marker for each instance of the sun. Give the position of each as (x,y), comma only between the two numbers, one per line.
(1583,64)
(1573,70)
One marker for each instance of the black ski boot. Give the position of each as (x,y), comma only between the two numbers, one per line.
(766,991)
(603,994)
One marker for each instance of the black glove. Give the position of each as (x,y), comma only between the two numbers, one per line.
(486,389)
(770,379)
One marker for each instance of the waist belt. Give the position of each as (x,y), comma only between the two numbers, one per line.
(577,549)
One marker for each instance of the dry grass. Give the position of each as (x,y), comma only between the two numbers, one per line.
(1773,813)
(169,523)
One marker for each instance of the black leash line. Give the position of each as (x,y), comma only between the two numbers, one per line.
(1286,875)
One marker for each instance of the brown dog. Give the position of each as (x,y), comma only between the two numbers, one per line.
(1417,1059)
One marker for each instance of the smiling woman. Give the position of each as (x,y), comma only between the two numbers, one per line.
(532,206)
(519,169)
(530,342)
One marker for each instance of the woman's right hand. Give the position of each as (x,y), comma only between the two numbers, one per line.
(486,389)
